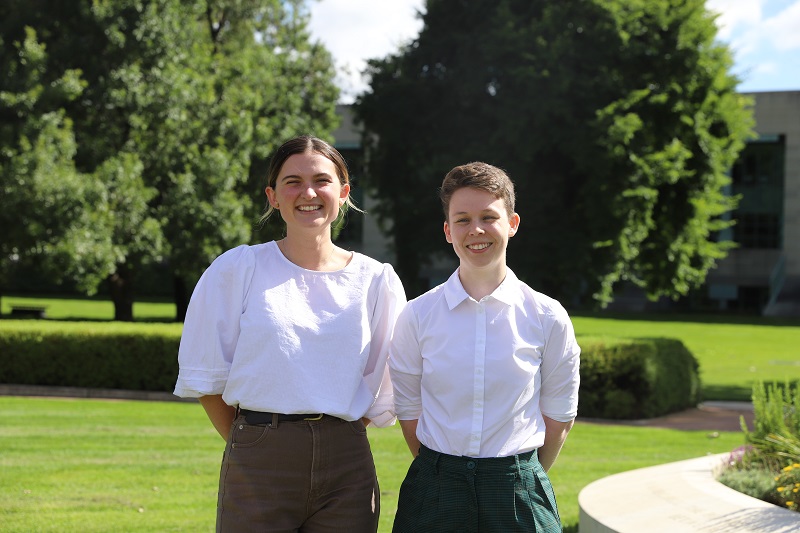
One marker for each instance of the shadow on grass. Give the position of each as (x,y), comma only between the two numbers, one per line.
(726,393)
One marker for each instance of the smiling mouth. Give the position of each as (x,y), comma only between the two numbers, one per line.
(479,246)
(309,208)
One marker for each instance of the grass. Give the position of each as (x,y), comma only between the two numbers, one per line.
(733,352)
(67,308)
(92,465)
(81,465)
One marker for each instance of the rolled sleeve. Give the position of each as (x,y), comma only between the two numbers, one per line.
(560,370)
(405,366)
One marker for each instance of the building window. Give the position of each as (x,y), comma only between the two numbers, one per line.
(757,230)
(757,178)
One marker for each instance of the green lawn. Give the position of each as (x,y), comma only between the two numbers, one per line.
(91,465)
(78,465)
(89,308)
(733,351)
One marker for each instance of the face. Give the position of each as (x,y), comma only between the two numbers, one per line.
(308,192)
(478,227)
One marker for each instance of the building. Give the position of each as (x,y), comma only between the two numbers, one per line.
(763,273)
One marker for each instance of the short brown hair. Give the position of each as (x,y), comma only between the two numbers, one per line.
(481,176)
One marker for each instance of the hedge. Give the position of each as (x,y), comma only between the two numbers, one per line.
(620,378)
(108,355)
(637,378)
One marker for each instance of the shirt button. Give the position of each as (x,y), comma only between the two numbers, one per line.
(470,465)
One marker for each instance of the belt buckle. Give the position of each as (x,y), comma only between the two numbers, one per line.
(318,417)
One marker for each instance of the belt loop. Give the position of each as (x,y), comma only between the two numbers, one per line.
(274,420)
(436,463)
(518,472)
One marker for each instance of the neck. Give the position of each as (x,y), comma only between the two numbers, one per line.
(483,282)
(311,253)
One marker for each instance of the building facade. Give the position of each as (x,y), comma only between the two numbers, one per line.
(762,274)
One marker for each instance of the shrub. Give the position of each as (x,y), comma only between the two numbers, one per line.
(776,422)
(768,468)
(90,354)
(788,486)
(755,482)
(638,378)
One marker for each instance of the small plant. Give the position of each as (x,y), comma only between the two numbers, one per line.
(788,488)
(758,468)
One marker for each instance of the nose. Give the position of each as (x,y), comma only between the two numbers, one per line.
(476,229)
(309,192)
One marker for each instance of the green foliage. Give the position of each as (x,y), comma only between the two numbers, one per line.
(617,121)
(771,461)
(755,482)
(776,432)
(164,113)
(639,378)
(95,355)
(788,486)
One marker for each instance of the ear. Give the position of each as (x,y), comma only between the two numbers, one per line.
(513,223)
(447,233)
(271,197)
(344,193)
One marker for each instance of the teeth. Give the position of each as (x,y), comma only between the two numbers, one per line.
(480,246)
(308,207)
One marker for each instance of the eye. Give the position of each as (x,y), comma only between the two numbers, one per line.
(490,217)
(462,220)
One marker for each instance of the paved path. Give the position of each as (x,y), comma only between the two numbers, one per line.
(708,416)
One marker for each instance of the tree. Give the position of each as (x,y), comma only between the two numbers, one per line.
(49,210)
(616,120)
(181,104)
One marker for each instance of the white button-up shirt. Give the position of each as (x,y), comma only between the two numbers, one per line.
(271,336)
(479,375)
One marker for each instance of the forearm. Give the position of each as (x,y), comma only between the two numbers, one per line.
(220,413)
(409,428)
(555,436)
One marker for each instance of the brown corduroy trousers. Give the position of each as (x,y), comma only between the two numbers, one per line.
(310,476)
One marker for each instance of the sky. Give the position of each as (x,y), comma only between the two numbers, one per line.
(764,36)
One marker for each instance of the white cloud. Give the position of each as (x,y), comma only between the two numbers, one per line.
(734,14)
(783,30)
(357,30)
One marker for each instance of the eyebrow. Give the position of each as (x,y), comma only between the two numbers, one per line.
(290,176)
(482,211)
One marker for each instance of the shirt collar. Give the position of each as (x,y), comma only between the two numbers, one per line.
(508,292)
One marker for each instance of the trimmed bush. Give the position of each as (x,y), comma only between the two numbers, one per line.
(636,378)
(90,354)
(620,378)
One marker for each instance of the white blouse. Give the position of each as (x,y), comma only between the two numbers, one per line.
(479,375)
(271,336)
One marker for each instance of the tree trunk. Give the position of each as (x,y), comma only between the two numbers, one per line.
(181,296)
(121,288)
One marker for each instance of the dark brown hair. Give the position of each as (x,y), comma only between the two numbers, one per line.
(481,176)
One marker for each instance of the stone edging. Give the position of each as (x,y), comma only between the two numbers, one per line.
(677,497)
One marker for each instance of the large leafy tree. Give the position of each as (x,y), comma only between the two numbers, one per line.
(617,120)
(181,103)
